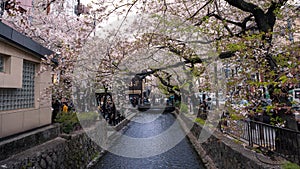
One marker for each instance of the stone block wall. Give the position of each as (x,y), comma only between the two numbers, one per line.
(69,151)
(25,141)
(59,151)
(220,151)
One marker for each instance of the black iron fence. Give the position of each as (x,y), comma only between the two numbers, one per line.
(282,141)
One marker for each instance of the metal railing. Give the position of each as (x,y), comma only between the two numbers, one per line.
(282,141)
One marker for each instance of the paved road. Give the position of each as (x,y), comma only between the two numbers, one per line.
(150,125)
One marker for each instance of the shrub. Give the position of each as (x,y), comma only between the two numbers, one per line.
(177,104)
(290,165)
(200,121)
(87,118)
(69,121)
(72,121)
(234,116)
(184,108)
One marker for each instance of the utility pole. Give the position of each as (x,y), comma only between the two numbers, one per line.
(216,74)
(94,24)
(216,83)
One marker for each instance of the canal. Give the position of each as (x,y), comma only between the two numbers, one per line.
(157,141)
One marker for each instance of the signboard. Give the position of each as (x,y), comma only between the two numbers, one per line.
(135,84)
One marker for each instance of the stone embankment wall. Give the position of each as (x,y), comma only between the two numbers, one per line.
(76,150)
(14,145)
(219,151)
(68,151)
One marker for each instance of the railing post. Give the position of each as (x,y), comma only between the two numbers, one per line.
(250,133)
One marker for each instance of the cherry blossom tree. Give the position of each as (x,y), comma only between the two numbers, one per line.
(50,24)
(251,36)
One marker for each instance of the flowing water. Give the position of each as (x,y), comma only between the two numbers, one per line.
(146,125)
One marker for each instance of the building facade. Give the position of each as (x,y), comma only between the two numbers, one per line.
(25,102)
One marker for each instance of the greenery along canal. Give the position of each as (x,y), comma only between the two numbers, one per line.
(139,155)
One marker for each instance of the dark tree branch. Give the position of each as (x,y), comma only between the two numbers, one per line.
(48,4)
(226,20)
(203,19)
(264,21)
(166,83)
(225,55)
(245,6)
(260,17)
(272,63)
(223,20)
(244,23)
(196,13)
(194,59)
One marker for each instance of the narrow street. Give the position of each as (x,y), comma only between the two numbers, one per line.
(149,125)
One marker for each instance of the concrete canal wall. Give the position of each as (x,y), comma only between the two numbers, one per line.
(74,150)
(219,151)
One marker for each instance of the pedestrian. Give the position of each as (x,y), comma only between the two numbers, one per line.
(100,111)
(65,108)
(56,106)
(134,101)
(71,106)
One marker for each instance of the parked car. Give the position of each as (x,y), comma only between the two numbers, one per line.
(146,102)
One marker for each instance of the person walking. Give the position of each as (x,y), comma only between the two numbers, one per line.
(56,106)
(65,108)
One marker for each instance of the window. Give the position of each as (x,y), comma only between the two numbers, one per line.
(11,99)
(4,63)
(1,63)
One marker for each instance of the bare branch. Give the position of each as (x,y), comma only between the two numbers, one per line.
(207,3)
(48,4)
